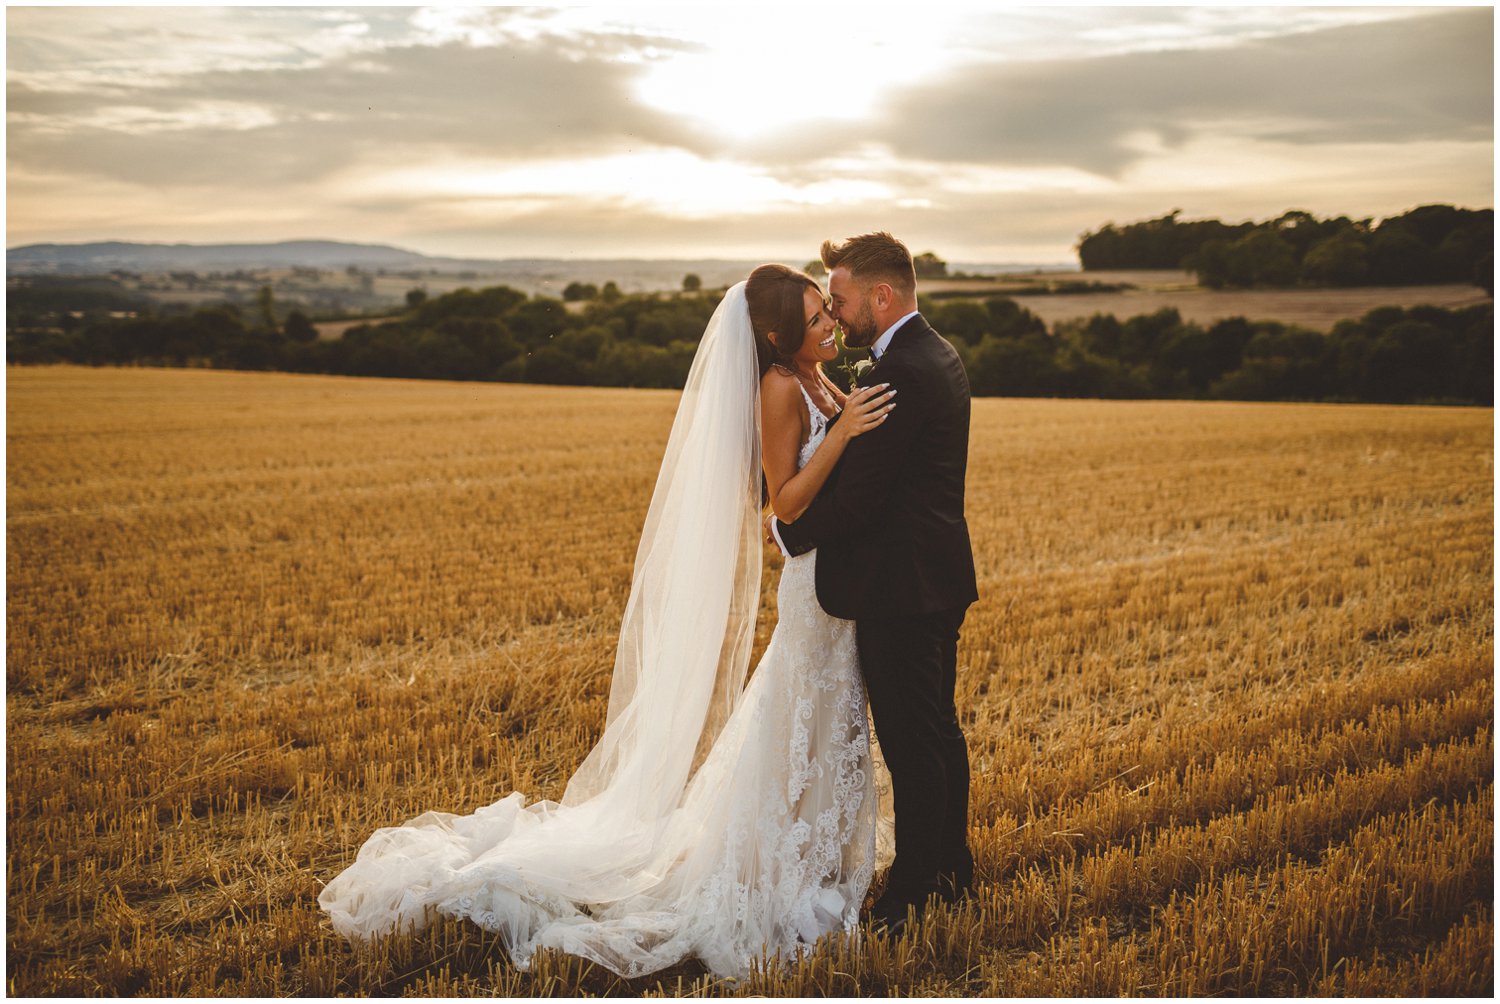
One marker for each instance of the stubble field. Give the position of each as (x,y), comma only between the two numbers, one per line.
(1228,689)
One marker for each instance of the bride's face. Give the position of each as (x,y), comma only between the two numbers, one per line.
(818,343)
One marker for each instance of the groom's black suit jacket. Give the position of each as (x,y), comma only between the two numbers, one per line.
(889,523)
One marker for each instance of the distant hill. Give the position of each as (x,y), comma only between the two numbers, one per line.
(532,274)
(104,256)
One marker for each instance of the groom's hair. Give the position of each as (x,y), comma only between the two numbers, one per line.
(876,257)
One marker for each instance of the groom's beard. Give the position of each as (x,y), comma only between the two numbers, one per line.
(859,331)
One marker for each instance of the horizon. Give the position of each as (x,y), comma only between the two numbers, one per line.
(394,247)
(656,135)
(645,259)
(168,242)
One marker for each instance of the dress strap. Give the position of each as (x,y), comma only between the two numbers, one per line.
(814,412)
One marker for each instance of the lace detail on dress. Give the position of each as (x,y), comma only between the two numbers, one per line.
(773,846)
(818,428)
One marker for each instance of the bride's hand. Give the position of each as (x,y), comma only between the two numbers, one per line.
(866,408)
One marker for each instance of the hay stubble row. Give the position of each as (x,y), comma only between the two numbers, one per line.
(1228,689)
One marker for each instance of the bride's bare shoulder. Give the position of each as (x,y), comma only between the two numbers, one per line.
(778,385)
(781,410)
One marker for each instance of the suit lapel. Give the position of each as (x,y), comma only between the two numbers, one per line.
(908,332)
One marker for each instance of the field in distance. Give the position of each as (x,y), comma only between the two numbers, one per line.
(1228,689)
(1319,309)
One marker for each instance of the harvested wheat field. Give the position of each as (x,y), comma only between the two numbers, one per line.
(1228,690)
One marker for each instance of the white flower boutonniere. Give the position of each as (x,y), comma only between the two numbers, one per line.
(854,372)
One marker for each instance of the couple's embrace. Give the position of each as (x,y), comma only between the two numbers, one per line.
(721,820)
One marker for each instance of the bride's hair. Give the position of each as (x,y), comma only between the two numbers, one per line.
(775,296)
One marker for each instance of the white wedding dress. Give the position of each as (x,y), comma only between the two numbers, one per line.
(749,832)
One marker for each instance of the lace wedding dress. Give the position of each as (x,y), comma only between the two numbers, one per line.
(764,843)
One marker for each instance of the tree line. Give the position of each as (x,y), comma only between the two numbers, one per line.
(1391,354)
(1429,244)
(497,333)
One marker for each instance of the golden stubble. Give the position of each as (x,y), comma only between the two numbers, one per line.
(1228,688)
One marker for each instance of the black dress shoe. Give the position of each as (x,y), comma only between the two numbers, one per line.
(888,922)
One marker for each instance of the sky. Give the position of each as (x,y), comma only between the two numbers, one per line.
(991,133)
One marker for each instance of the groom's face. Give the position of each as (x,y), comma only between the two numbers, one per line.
(851,308)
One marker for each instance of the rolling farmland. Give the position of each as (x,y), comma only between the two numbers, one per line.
(1228,690)
(1317,308)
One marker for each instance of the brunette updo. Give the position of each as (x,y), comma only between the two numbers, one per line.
(775,295)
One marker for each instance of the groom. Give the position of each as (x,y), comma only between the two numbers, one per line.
(894,557)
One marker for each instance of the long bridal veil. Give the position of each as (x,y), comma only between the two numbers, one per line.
(689,622)
(549,873)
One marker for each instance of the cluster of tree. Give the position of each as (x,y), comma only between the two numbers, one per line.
(1429,244)
(490,334)
(576,291)
(1391,355)
(641,340)
(66,300)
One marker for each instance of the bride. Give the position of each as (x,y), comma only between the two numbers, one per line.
(713,820)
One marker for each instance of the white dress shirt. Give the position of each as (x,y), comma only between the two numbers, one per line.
(884,341)
(877,350)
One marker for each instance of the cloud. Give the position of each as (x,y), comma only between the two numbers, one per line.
(517,100)
(1409,80)
(487,132)
(996,223)
(87,49)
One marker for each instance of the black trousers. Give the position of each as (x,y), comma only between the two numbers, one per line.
(910,668)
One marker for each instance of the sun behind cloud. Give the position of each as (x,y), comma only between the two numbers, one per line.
(698,131)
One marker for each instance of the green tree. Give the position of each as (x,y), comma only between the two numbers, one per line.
(415,298)
(929,266)
(964,319)
(691,283)
(1409,361)
(1337,261)
(663,325)
(576,291)
(538,321)
(492,302)
(1210,263)
(583,344)
(265,304)
(1260,258)
(1014,367)
(553,366)
(1398,257)
(611,292)
(1142,335)
(1008,319)
(299,329)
